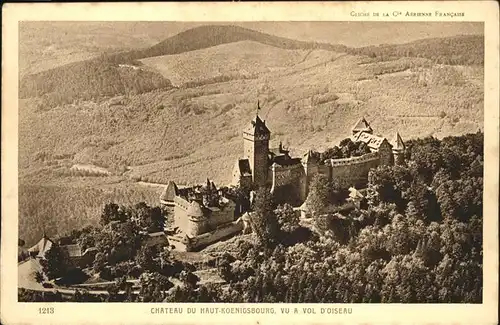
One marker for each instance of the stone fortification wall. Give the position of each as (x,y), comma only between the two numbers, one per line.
(221,216)
(352,160)
(195,227)
(213,236)
(354,170)
(283,175)
(181,219)
(205,239)
(288,182)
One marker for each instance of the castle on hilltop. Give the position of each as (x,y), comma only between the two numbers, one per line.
(204,214)
(289,177)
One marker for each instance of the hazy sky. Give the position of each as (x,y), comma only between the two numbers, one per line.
(348,33)
(351,33)
(366,33)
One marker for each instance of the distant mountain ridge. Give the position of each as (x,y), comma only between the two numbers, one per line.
(455,50)
(103,76)
(208,36)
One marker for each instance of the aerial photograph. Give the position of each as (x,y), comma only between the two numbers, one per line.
(250,162)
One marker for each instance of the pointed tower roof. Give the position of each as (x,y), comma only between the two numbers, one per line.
(194,210)
(362,126)
(170,192)
(257,127)
(397,143)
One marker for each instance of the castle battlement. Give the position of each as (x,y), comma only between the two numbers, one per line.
(353,160)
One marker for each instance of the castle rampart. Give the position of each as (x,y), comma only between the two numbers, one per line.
(283,175)
(353,171)
(352,161)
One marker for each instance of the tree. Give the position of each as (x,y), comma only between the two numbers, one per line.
(99,262)
(224,267)
(146,258)
(189,279)
(55,264)
(39,277)
(461,199)
(112,212)
(148,218)
(113,292)
(264,223)
(288,220)
(154,286)
(119,242)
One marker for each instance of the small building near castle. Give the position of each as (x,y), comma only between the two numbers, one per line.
(289,177)
(202,215)
(74,253)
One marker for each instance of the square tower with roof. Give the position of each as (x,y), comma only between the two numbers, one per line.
(256,148)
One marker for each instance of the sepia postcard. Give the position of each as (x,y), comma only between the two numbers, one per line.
(250,163)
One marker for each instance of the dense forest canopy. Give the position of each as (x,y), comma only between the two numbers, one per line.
(418,239)
(458,50)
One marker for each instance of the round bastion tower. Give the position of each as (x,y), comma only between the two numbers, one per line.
(197,220)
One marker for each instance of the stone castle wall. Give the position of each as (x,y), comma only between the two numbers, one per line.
(211,221)
(288,182)
(181,218)
(205,239)
(213,236)
(353,171)
(221,216)
(346,171)
(283,175)
(185,222)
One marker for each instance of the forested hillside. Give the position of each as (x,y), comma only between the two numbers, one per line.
(90,80)
(458,50)
(118,74)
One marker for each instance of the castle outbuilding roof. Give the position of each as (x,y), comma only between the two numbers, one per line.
(372,141)
(284,160)
(362,126)
(257,127)
(244,167)
(209,185)
(195,210)
(397,143)
(41,247)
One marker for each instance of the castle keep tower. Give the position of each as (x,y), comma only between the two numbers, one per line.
(256,148)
